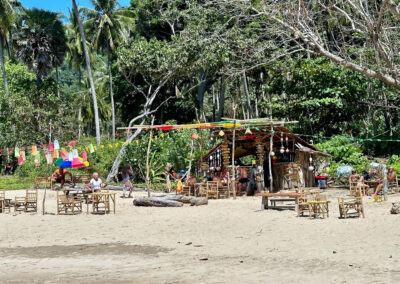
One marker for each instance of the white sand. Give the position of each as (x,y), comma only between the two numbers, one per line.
(166,245)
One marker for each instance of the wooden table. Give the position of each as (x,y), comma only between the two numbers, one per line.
(278,197)
(102,197)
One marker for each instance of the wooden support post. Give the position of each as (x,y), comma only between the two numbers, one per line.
(148,158)
(271,179)
(233,152)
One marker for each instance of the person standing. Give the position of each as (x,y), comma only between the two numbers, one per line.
(126,180)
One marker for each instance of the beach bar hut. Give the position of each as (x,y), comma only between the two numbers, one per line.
(288,150)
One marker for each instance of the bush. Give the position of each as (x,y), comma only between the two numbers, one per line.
(344,153)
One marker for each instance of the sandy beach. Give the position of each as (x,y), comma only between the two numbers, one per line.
(225,241)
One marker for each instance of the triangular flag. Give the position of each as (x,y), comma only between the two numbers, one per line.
(16,151)
(56,145)
(70,156)
(34,150)
(75,153)
(84,156)
(91,149)
(20,161)
(49,158)
(64,155)
(22,155)
(56,154)
(51,147)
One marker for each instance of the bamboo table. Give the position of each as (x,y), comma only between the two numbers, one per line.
(290,196)
(102,197)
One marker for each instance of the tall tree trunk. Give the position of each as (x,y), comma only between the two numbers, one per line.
(246,91)
(214,101)
(111,92)
(80,105)
(59,97)
(3,68)
(202,89)
(221,98)
(89,70)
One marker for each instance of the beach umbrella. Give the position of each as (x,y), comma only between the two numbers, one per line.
(58,162)
(77,163)
(66,164)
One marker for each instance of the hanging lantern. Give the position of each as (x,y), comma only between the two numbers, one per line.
(282,150)
(248,131)
(311,168)
(221,133)
(310,159)
(287,150)
(272,153)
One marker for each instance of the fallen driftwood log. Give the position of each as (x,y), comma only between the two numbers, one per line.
(395,208)
(170,201)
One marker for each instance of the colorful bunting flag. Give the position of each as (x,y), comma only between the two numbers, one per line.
(56,145)
(16,152)
(34,150)
(91,149)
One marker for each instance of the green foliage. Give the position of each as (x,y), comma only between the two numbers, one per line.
(167,147)
(394,161)
(15,182)
(344,153)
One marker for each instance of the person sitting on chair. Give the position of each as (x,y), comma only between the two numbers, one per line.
(95,184)
(8,169)
(190,182)
(390,179)
(243,178)
(58,176)
(225,176)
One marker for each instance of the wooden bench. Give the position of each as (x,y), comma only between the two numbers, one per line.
(278,197)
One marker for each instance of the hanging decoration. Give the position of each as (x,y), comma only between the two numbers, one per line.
(34,150)
(282,150)
(16,152)
(287,144)
(51,147)
(221,133)
(56,145)
(37,160)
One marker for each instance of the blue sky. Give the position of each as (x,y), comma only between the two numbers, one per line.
(60,5)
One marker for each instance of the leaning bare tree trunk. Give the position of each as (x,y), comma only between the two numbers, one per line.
(148,158)
(89,70)
(111,93)
(3,68)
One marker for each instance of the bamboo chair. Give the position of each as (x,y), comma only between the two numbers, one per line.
(5,203)
(394,186)
(185,191)
(352,205)
(68,205)
(42,182)
(353,181)
(303,204)
(28,203)
(224,190)
(319,207)
(212,189)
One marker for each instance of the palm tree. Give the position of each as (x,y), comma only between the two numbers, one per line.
(7,19)
(76,59)
(89,71)
(109,26)
(41,42)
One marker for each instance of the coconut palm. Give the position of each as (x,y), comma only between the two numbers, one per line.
(40,42)
(76,58)
(109,25)
(89,70)
(8,14)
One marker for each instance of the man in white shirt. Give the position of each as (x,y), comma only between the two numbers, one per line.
(95,184)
